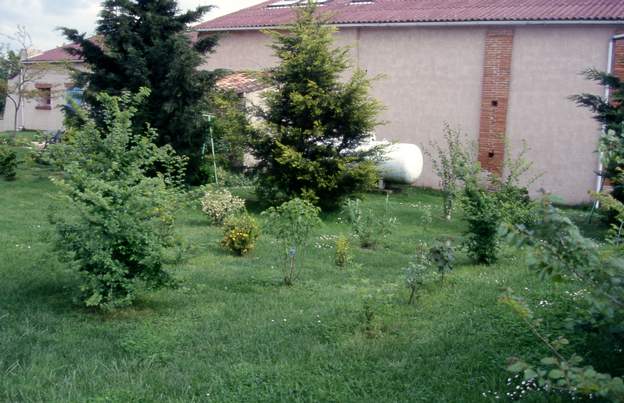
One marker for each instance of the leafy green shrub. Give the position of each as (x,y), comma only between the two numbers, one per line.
(240,234)
(315,119)
(8,163)
(610,113)
(483,216)
(557,250)
(511,189)
(220,204)
(615,207)
(367,226)
(559,373)
(419,271)
(515,205)
(442,256)
(291,225)
(453,162)
(342,251)
(121,209)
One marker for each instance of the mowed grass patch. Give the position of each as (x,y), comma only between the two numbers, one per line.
(231,332)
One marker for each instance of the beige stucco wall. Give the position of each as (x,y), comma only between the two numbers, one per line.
(429,76)
(546,66)
(433,75)
(32,118)
(241,50)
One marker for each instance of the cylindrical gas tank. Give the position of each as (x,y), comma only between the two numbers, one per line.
(402,162)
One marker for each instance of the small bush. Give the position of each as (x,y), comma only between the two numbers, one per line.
(8,163)
(240,234)
(453,162)
(291,225)
(419,271)
(122,210)
(367,226)
(442,256)
(343,251)
(483,215)
(221,204)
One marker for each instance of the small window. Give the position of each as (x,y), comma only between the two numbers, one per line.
(44,96)
(74,94)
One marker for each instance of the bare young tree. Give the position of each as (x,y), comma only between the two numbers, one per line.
(20,86)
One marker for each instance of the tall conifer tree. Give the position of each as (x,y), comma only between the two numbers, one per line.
(316,119)
(147,43)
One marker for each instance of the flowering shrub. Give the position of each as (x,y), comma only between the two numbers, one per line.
(221,204)
(343,251)
(240,234)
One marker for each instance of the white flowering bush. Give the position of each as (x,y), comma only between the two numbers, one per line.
(221,204)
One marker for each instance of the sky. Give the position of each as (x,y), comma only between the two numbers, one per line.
(41,17)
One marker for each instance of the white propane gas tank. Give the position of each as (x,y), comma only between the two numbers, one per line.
(402,163)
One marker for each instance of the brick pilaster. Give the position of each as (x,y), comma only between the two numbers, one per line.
(495,98)
(618,56)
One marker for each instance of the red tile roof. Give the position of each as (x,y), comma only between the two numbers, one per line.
(55,55)
(427,11)
(241,82)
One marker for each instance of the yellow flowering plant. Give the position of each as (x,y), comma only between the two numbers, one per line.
(240,234)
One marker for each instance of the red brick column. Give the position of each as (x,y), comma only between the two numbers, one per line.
(494,98)
(618,56)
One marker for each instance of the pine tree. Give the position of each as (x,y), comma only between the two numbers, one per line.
(146,43)
(315,120)
(610,113)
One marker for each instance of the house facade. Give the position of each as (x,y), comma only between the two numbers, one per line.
(501,71)
(49,85)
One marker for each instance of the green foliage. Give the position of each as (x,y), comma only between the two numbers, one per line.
(343,256)
(442,256)
(8,163)
(610,113)
(483,215)
(240,234)
(315,121)
(511,188)
(291,225)
(146,44)
(557,250)
(220,204)
(119,216)
(232,130)
(367,226)
(419,271)
(428,264)
(558,373)
(454,161)
(611,204)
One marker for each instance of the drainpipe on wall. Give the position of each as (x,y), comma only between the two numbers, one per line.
(607,95)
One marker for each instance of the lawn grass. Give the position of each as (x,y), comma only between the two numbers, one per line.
(231,332)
